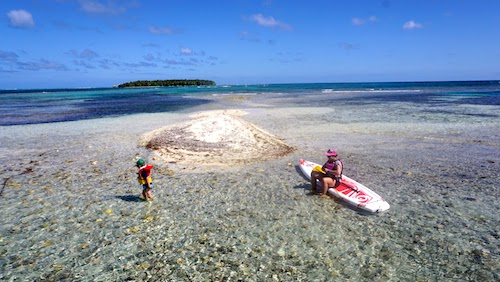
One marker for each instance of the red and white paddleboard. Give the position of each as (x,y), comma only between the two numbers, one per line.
(350,191)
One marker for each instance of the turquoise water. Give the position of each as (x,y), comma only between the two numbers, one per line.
(57,105)
(71,210)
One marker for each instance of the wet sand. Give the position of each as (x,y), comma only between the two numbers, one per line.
(71,208)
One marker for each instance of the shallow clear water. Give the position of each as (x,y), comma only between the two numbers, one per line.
(55,105)
(70,206)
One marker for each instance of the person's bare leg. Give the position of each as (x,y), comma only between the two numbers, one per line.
(327,183)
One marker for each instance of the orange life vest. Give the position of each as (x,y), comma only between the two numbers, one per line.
(147,169)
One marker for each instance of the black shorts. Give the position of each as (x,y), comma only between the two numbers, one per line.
(338,180)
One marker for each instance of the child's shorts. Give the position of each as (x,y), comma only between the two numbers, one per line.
(145,186)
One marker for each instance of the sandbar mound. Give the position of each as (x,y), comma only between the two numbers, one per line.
(215,138)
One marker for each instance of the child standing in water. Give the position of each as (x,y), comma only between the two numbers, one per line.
(144,178)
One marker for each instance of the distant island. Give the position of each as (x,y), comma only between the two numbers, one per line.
(168,82)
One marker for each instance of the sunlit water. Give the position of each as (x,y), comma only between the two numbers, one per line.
(70,206)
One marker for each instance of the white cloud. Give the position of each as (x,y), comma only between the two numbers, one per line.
(186,51)
(412,25)
(360,21)
(347,46)
(96,7)
(21,19)
(269,22)
(160,30)
(42,64)
(8,56)
(149,57)
(248,36)
(87,54)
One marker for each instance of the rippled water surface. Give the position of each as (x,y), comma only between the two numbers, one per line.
(71,208)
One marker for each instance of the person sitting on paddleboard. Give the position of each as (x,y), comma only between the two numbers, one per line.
(331,175)
(144,178)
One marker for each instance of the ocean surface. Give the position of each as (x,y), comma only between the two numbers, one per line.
(70,199)
(56,105)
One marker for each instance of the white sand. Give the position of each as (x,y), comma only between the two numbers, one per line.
(215,138)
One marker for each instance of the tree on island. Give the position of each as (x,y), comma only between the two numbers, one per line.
(168,82)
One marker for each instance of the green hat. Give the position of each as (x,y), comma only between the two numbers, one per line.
(140,162)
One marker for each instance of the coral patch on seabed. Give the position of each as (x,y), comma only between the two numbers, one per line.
(220,138)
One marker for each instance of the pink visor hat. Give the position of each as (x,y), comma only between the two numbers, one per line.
(330,153)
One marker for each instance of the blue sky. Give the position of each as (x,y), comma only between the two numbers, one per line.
(100,43)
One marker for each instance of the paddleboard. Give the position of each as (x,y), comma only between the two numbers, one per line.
(350,191)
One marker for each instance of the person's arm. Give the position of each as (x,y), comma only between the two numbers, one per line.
(338,170)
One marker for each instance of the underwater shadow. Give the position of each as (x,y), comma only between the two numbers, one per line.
(130,198)
(343,204)
(359,211)
(297,168)
(306,186)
